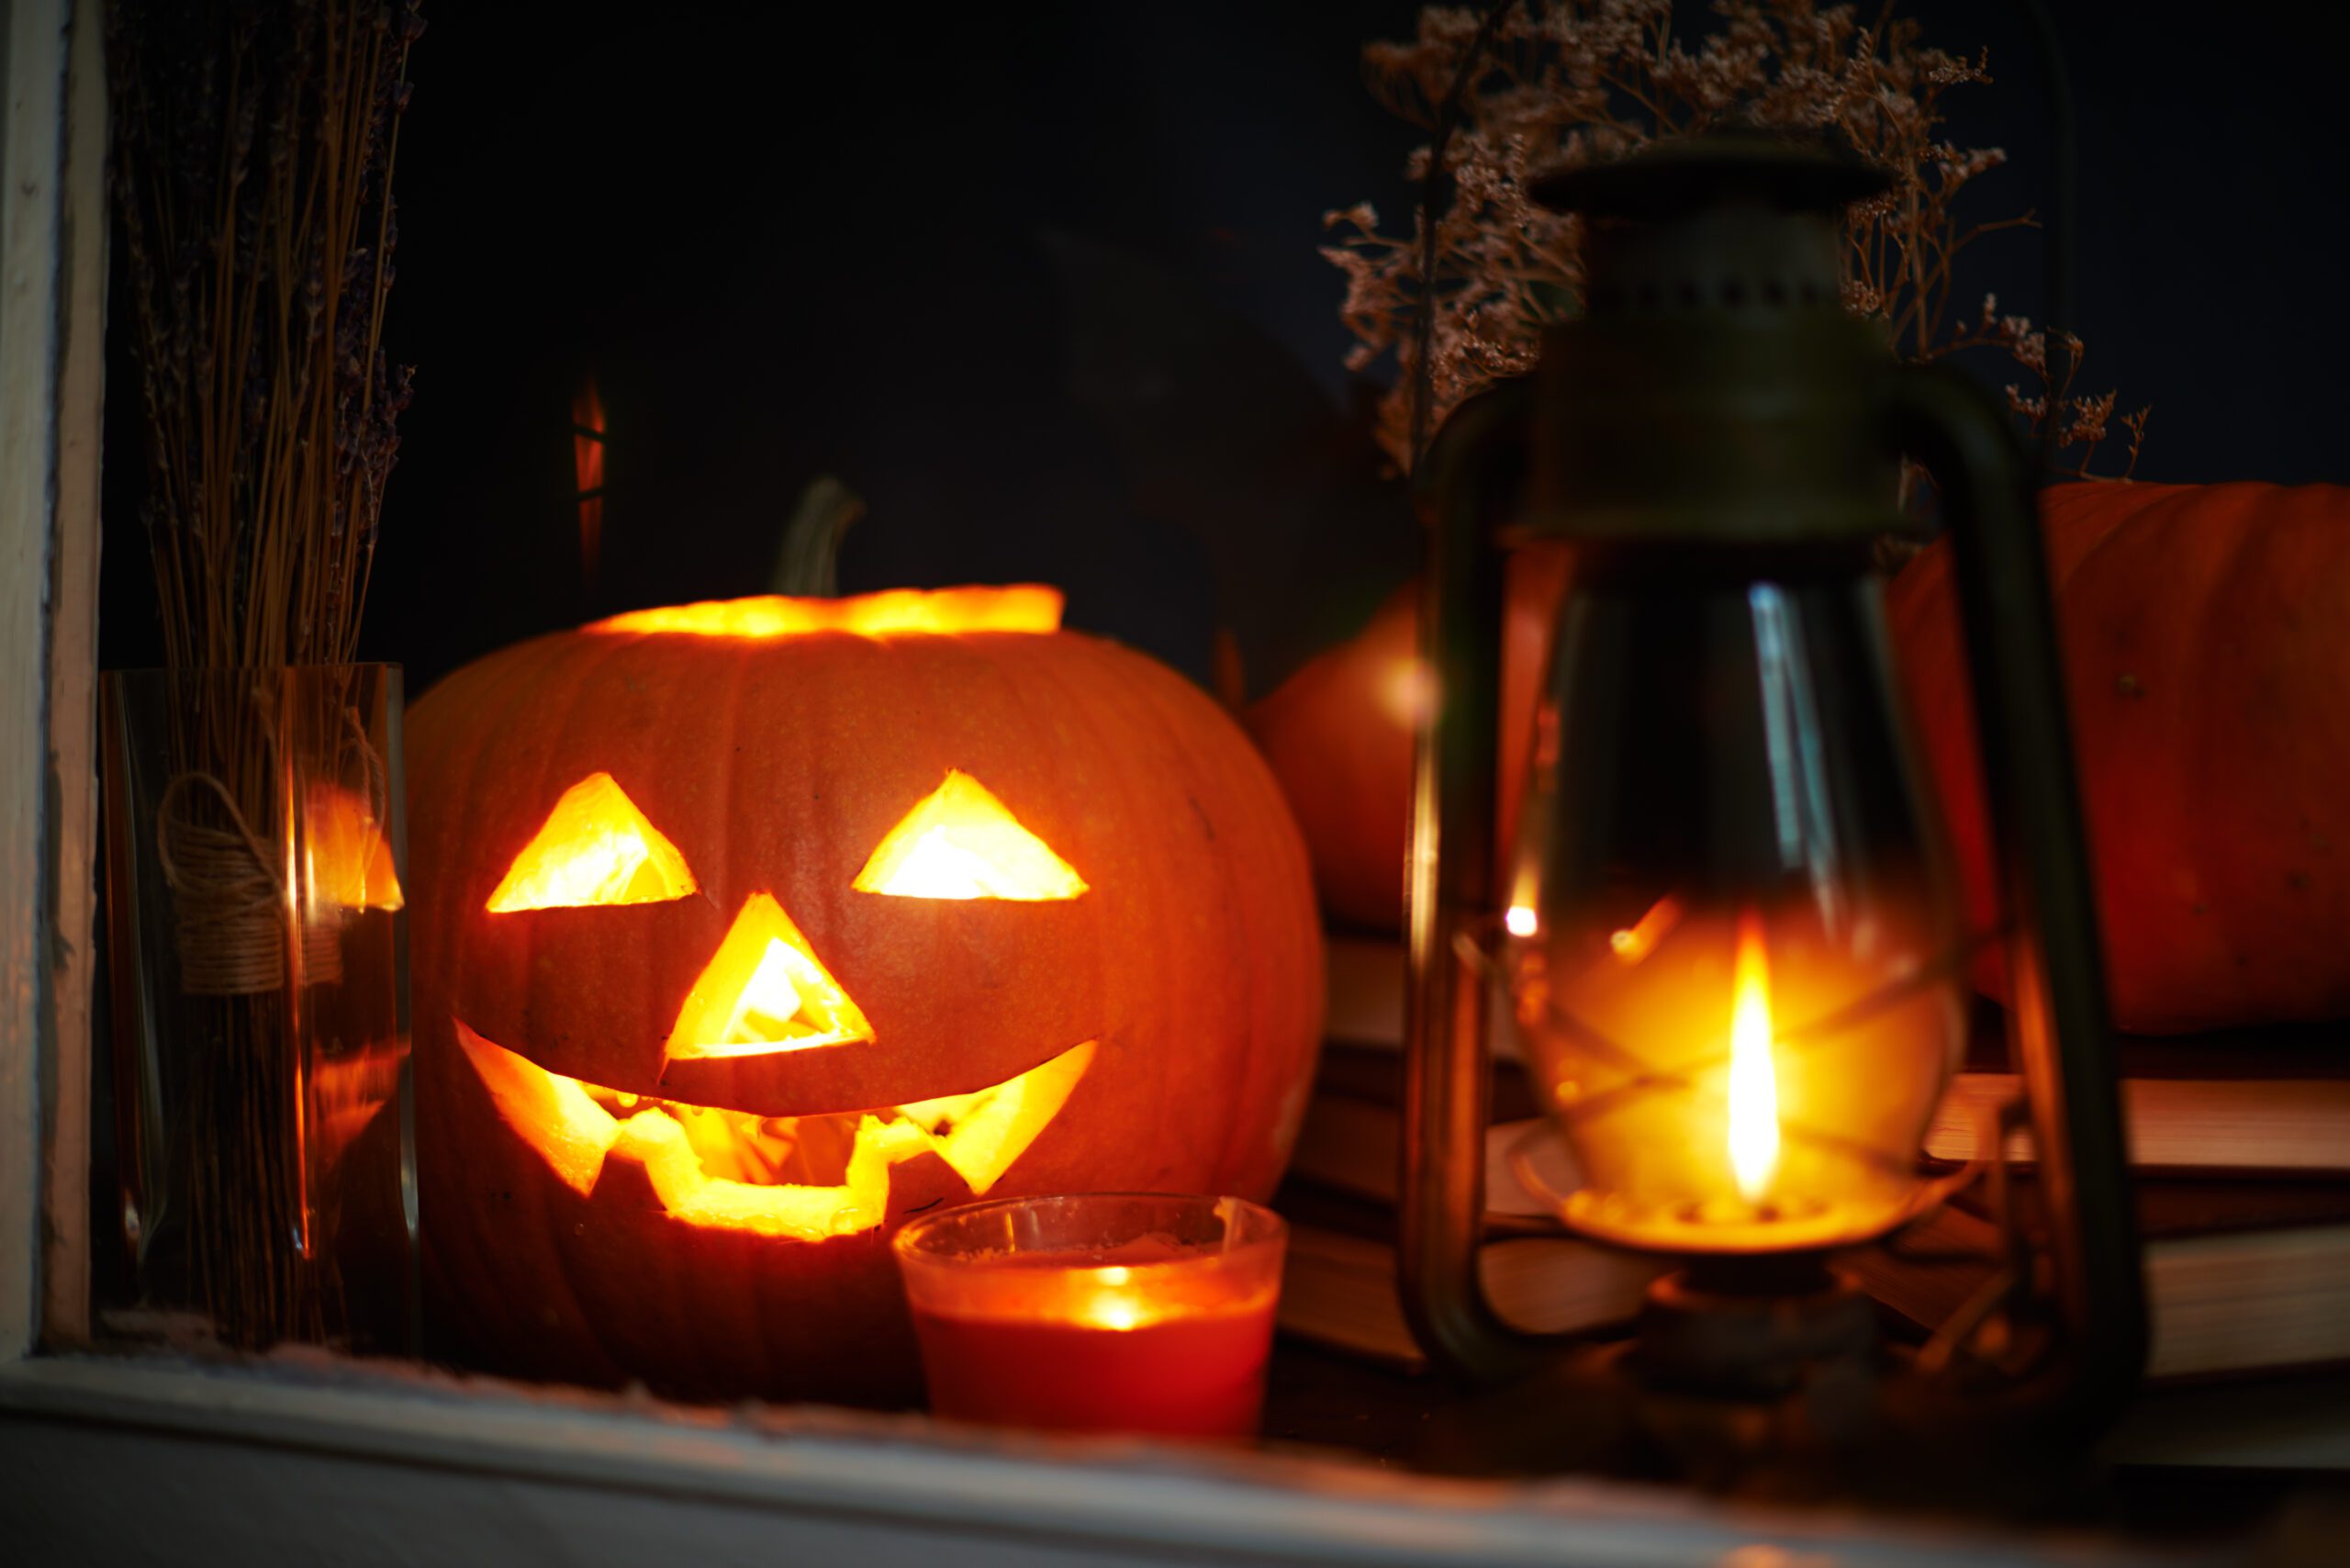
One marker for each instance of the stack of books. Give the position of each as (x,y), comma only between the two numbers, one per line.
(2241,1147)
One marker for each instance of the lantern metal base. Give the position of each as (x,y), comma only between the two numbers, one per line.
(1756,1374)
(1738,1362)
(1766,1379)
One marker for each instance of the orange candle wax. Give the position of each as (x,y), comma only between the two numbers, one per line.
(1100,1314)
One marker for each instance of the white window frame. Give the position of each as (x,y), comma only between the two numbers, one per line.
(600,1476)
(53,283)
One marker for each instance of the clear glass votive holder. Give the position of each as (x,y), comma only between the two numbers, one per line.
(1107,1312)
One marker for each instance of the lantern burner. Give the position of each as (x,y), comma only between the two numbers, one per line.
(1751,1328)
(1765,1359)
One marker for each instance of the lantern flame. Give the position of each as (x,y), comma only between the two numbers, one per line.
(1754,1079)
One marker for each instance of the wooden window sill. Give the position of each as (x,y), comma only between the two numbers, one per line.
(304,1457)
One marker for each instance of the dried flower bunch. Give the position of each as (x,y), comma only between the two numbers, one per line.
(252,160)
(1560,81)
(253,144)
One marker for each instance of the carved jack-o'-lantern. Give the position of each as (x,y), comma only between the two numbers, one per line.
(744,930)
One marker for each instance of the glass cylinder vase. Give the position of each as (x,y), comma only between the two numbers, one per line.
(257,949)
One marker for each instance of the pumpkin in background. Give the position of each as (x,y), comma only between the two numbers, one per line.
(1338,735)
(744,930)
(2207,661)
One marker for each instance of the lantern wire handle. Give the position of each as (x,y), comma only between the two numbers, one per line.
(2057,1021)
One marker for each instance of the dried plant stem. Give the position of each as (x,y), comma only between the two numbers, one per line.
(1463,299)
(1431,188)
(253,145)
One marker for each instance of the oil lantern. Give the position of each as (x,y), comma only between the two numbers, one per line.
(1726,926)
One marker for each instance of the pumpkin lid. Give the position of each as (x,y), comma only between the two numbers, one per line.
(1020,607)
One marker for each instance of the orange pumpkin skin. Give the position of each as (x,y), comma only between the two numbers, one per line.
(775,767)
(1338,735)
(2207,674)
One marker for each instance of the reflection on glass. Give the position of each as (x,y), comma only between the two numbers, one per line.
(1738,986)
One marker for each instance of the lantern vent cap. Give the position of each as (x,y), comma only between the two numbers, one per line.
(1713,385)
(1779,170)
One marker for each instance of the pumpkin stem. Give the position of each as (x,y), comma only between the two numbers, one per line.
(808,565)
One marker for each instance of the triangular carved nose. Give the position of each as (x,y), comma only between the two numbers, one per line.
(764,991)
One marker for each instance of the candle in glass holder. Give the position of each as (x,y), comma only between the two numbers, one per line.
(1097,1312)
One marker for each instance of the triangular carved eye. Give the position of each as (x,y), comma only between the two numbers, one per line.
(962,842)
(594,848)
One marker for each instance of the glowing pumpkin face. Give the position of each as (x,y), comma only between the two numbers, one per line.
(744,930)
(765,993)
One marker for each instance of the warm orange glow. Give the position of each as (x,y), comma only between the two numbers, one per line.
(553,1114)
(960,841)
(860,1201)
(1025,606)
(764,991)
(1408,690)
(1111,1310)
(587,466)
(1636,942)
(350,859)
(1754,1079)
(594,848)
(343,1094)
(981,1134)
(1155,1279)
(730,1171)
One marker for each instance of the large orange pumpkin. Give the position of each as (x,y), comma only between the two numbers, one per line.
(1338,735)
(2207,662)
(743,931)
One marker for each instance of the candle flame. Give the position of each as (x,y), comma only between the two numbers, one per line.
(1114,1312)
(1520,920)
(1753,1080)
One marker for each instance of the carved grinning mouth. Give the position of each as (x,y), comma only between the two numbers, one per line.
(803,1178)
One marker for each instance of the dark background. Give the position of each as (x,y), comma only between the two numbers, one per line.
(918,246)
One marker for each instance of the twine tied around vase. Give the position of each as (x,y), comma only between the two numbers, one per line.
(230,904)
